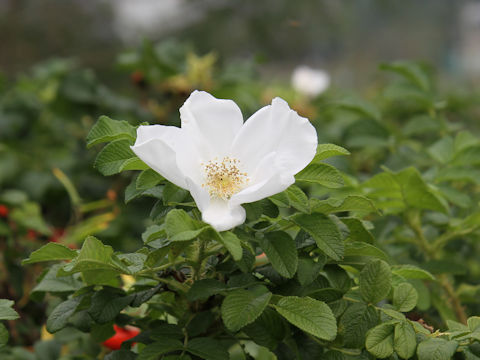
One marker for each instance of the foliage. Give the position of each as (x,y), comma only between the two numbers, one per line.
(372,254)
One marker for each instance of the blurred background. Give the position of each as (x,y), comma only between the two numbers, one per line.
(65,63)
(346,38)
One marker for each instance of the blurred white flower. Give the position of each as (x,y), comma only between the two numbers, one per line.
(224,162)
(310,82)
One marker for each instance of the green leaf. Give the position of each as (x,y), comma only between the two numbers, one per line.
(473,323)
(386,191)
(258,208)
(455,196)
(322,174)
(96,256)
(355,322)
(51,252)
(412,272)
(442,150)
(121,355)
(324,231)
(207,348)
(353,203)
(241,307)
(436,349)
(409,71)
(297,198)
(416,192)
(281,199)
(59,317)
(173,195)
(395,191)
(100,333)
(456,326)
(267,330)
(153,232)
(51,283)
(422,124)
(3,335)
(246,263)
(325,151)
(203,289)
(6,311)
(308,269)
(29,216)
(380,341)
(107,304)
(181,227)
(101,277)
(357,252)
(281,251)
(358,230)
(395,315)
(404,341)
(465,139)
(360,107)
(459,173)
(159,347)
(143,296)
(375,281)
(468,156)
(117,157)
(131,192)
(148,179)
(310,315)
(47,350)
(106,129)
(165,330)
(405,297)
(231,243)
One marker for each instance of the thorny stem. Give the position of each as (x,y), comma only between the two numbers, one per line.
(453,298)
(413,221)
(162,267)
(185,332)
(197,267)
(441,241)
(430,252)
(213,250)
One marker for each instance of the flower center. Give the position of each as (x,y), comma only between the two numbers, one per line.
(223,178)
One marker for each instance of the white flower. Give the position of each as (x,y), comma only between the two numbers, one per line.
(224,162)
(308,81)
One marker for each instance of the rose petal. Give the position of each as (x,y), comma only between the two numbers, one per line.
(212,123)
(276,128)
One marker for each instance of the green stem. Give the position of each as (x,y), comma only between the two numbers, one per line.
(213,250)
(441,241)
(274,226)
(430,252)
(95,205)
(453,298)
(413,220)
(162,267)
(197,267)
(181,287)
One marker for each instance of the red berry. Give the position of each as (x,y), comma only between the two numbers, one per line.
(138,79)
(31,234)
(121,335)
(111,195)
(3,211)
(57,235)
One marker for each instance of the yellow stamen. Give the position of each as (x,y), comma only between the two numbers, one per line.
(223,178)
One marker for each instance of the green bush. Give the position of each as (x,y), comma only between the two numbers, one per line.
(373,253)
